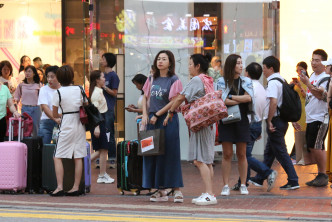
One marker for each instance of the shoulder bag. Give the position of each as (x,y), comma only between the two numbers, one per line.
(234,114)
(93,114)
(204,111)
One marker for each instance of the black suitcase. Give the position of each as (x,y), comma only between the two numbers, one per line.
(48,172)
(49,182)
(34,171)
(129,167)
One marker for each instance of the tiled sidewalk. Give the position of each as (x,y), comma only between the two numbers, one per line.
(306,202)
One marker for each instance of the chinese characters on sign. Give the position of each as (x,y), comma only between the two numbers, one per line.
(168,24)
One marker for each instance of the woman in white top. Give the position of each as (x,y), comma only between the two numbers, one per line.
(71,141)
(100,143)
(6,76)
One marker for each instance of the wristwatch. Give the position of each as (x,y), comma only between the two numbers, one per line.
(230,96)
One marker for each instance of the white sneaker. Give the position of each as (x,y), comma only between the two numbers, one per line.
(105,179)
(225,191)
(244,190)
(197,198)
(206,199)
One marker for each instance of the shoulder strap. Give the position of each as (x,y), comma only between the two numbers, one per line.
(84,95)
(324,80)
(280,80)
(60,100)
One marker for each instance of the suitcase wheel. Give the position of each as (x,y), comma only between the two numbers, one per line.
(120,191)
(135,192)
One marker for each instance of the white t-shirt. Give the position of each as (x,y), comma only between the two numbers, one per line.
(260,101)
(274,90)
(98,99)
(316,109)
(46,97)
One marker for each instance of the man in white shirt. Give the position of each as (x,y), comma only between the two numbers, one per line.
(47,121)
(276,127)
(317,115)
(254,72)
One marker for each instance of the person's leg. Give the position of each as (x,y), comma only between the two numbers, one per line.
(35,114)
(3,127)
(299,144)
(242,160)
(78,174)
(109,124)
(102,161)
(320,159)
(278,145)
(95,155)
(206,176)
(46,127)
(59,174)
(227,148)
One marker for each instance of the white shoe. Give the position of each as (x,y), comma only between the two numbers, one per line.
(105,179)
(197,198)
(160,196)
(244,190)
(225,191)
(206,199)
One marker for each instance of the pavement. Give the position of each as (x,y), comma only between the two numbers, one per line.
(304,204)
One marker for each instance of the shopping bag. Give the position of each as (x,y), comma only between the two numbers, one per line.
(151,142)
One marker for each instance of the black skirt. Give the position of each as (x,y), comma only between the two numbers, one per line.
(101,142)
(234,132)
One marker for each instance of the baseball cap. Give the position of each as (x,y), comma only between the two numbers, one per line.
(327,63)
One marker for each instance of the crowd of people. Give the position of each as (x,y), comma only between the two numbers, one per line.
(48,95)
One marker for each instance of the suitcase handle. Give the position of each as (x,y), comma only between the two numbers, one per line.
(11,129)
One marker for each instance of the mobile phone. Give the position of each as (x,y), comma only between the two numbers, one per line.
(126,107)
(295,79)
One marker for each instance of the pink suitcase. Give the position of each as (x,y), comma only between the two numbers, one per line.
(13,164)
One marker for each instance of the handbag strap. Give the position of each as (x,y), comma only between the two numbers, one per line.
(84,95)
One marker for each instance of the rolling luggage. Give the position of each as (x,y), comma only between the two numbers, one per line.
(129,167)
(69,173)
(34,172)
(49,182)
(48,172)
(13,162)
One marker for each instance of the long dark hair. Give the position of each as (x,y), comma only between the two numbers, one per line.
(94,75)
(36,78)
(304,66)
(229,69)
(21,63)
(171,69)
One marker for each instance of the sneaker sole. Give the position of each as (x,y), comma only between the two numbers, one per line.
(178,200)
(270,186)
(254,183)
(224,194)
(246,193)
(290,188)
(206,203)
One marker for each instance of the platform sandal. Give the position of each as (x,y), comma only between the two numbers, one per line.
(160,196)
(178,196)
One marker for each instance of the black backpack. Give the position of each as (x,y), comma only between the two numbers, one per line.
(291,108)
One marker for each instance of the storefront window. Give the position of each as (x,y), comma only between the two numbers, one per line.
(137,30)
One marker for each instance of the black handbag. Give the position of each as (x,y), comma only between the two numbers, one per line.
(94,116)
(151,142)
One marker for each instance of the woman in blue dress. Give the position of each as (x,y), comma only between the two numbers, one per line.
(163,171)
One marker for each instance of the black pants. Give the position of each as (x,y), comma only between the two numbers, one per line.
(3,127)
